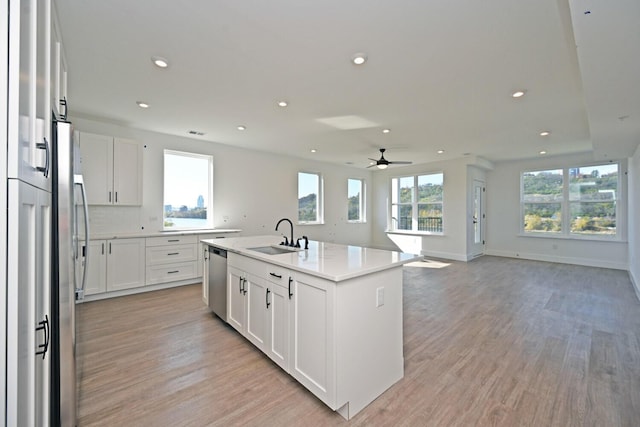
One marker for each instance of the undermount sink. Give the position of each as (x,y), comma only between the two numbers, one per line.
(275,249)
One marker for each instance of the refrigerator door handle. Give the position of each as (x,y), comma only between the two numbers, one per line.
(77,180)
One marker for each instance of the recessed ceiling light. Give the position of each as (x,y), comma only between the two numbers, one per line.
(359,58)
(545,133)
(282,103)
(440,151)
(160,62)
(386,130)
(518,93)
(543,152)
(240,127)
(313,150)
(142,104)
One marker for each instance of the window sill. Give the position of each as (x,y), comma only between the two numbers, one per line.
(612,239)
(414,233)
(310,223)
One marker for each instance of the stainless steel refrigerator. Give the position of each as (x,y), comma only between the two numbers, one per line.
(69,208)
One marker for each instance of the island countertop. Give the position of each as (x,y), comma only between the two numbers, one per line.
(330,261)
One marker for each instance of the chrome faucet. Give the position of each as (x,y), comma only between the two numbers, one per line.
(285,237)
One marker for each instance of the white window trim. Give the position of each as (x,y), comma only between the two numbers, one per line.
(565,234)
(210,159)
(320,199)
(414,213)
(363,212)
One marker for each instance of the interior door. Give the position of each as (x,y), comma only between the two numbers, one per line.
(478,218)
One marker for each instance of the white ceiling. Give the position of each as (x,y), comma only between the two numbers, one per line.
(439,74)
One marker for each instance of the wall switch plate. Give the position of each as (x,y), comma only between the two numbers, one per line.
(380,297)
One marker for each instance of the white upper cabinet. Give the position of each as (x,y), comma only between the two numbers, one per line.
(112,169)
(29,107)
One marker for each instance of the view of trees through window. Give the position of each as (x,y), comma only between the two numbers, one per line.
(416,203)
(355,190)
(187,190)
(309,206)
(577,200)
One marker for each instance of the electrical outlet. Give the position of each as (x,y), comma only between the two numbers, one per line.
(380,297)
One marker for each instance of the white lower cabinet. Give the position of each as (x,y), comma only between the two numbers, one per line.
(171,259)
(312,343)
(125,263)
(114,265)
(341,340)
(97,272)
(258,308)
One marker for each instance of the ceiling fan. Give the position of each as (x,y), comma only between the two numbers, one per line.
(382,163)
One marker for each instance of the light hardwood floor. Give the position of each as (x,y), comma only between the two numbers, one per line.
(494,341)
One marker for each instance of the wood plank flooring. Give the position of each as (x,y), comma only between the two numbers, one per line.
(494,341)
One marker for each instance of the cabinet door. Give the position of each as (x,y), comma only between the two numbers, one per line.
(28,301)
(97,272)
(97,167)
(257,301)
(125,264)
(313,336)
(277,347)
(235,299)
(28,130)
(127,172)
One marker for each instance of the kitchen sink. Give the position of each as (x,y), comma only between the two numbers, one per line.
(275,249)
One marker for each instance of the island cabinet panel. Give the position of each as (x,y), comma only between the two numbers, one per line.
(256,297)
(236,298)
(258,306)
(312,337)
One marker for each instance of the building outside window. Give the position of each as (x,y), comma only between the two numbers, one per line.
(417,203)
(188,190)
(573,201)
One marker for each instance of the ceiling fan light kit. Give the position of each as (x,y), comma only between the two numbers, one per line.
(383,163)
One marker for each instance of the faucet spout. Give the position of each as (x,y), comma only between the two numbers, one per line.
(290,224)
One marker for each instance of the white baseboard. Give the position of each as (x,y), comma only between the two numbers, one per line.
(587,262)
(132,291)
(446,255)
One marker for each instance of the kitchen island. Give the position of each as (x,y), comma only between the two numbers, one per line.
(330,315)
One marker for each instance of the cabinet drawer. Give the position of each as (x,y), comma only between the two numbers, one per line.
(264,270)
(171,254)
(171,272)
(172,240)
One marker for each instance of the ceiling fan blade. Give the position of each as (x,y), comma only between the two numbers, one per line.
(373,160)
(400,163)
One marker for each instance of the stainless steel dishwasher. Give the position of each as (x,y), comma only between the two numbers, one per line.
(218,281)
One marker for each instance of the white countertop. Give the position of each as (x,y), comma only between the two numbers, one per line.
(142,233)
(327,260)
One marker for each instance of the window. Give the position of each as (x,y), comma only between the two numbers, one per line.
(355,200)
(575,201)
(416,203)
(309,198)
(188,190)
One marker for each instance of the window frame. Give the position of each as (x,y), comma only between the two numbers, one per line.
(361,203)
(210,184)
(567,201)
(319,199)
(415,203)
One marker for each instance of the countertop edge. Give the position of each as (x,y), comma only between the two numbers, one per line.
(334,278)
(108,236)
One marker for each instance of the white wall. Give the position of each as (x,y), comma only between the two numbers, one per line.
(634,224)
(252,190)
(503,220)
(453,243)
